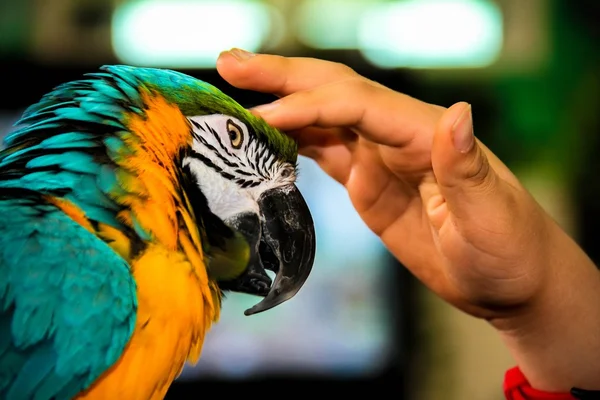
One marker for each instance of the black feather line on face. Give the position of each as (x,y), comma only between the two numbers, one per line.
(211,227)
(216,135)
(242,172)
(206,161)
(217,153)
(221,145)
(261,162)
(209,129)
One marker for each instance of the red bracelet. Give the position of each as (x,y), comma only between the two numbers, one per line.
(516,387)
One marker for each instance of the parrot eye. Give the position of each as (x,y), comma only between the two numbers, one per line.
(235,134)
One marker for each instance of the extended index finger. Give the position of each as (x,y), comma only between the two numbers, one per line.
(377,113)
(277,74)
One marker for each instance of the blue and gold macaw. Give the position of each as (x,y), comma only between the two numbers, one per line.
(130,201)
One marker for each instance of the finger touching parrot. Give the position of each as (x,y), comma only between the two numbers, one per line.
(131,202)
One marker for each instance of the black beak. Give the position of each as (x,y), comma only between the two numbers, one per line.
(282,240)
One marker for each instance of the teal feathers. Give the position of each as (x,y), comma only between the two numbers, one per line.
(67,302)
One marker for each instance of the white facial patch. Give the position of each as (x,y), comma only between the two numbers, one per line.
(225,198)
(232,166)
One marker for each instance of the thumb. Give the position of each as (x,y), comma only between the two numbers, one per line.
(465,179)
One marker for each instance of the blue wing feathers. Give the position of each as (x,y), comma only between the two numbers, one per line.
(64,141)
(42,109)
(32,372)
(73,309)
(67,160)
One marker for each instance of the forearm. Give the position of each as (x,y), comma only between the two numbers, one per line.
(556,339)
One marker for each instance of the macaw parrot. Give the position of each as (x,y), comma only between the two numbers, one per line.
(131,201)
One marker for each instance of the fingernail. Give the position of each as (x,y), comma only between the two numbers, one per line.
(266,108)
(241,55)
(462,131)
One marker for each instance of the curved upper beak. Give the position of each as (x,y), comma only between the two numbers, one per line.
(282,239)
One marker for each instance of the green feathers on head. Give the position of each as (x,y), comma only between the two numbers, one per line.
(196,97)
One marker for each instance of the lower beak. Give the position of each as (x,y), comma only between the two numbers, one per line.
(283,242)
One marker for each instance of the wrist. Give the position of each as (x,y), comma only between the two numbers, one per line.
(543,264)
(555,337)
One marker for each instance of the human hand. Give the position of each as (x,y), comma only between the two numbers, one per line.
(444,205)
(440,201)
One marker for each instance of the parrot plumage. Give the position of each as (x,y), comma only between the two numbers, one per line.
(130,201)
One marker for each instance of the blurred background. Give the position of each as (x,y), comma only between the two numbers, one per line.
(530,68)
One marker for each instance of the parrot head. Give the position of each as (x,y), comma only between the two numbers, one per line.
(245,171)
(113,144)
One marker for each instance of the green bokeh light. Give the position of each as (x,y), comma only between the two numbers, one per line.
(432,34)
(186,33)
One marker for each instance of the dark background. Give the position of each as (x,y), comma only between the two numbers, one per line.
(540,117)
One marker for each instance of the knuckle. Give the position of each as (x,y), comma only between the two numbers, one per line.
(343,69)
(477,171)
(359,85)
